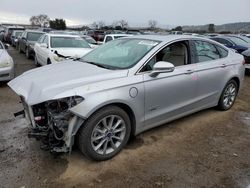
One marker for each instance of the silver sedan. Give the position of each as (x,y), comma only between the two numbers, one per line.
(125,87)
(6,64)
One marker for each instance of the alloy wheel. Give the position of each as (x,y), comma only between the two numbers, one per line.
(108,134)
(229,95)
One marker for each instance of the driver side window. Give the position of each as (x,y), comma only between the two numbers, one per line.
(176,53)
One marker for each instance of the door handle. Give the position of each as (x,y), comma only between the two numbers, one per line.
(223,65)
(189,72)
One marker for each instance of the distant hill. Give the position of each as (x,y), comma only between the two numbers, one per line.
(231,27)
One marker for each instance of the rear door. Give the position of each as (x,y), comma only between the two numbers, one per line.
(211,68)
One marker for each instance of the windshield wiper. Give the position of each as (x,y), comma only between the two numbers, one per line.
(100,65)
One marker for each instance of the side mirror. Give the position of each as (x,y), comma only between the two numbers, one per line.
(162,67)
(44,45)
(23,38)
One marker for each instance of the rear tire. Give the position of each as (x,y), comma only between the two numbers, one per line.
(228,96)
(105,133)
(247,72)
(36,61)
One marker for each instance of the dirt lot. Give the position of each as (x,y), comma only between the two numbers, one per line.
(207,149)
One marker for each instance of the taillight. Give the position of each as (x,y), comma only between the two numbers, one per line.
(244,61)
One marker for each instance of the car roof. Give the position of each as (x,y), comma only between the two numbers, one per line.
(119,35)
(61,35)
(166,38)
(34,31)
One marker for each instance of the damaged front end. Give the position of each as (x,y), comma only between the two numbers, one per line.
(53,123)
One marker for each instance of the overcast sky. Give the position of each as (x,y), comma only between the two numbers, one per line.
(136,12)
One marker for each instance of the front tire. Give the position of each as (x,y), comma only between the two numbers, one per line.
(105,133)
(48,62)
(36,61)
(27,53)
(19,49)
(228,95)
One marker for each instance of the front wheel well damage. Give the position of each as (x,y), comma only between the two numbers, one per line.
(127,109)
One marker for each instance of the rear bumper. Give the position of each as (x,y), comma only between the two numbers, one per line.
(7,73)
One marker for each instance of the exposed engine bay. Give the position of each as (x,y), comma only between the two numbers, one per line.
(54,124)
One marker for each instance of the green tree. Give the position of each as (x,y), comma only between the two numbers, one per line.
(211,28)
(58,24)
(178,28)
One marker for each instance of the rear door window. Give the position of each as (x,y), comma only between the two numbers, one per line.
(206,51)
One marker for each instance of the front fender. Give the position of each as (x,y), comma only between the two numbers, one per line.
(96,101)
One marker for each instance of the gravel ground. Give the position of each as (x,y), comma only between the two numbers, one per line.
(207,149)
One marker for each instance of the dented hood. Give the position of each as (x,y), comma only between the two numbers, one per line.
(48,82)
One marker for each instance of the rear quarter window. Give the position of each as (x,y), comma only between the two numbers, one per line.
(223,52)
(206,51)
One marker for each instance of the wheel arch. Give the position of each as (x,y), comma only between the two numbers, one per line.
(121,105)
(237,80)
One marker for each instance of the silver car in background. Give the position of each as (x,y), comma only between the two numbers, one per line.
(6,64)
(125,87)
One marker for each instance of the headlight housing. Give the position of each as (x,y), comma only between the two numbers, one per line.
(61,105)
(57,58)
(8,62)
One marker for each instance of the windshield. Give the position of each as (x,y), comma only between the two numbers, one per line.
(246,39)
(117,37)
(68,42)
(18,33)
(238,41)
(120,53)
(90,40)
(33,36)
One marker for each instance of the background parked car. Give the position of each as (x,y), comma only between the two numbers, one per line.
(92,42)
(27,41)
(111,37)
(8,31)
(98,35)
(246,39)
(1,35)
(237,44)
(67,46)
(232,42)
(15,36)
(6,64)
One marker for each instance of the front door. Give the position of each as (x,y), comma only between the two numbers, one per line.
(170,95)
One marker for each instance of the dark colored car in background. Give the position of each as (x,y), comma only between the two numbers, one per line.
(15,36)
(8,32)
(98,35)
(27,41)
(238,44)
(232,42)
